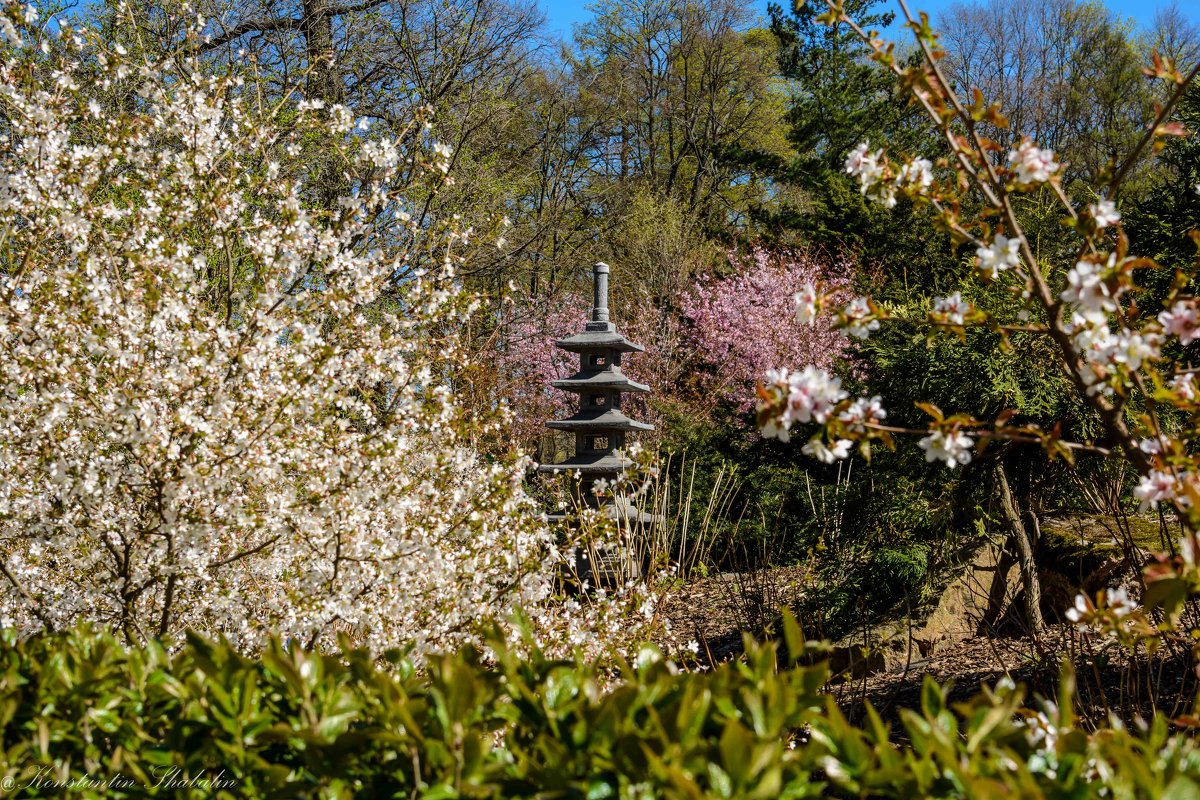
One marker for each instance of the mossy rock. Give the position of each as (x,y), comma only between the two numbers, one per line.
(1078,547)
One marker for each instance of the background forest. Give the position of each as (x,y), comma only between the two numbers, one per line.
(698,148)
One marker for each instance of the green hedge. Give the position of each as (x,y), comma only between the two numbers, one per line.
(82,716)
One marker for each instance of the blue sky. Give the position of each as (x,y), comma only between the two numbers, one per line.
(562,14)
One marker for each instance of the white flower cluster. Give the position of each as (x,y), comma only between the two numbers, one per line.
(1160,486)
(859,318)
(208,417)
(807,304)
(953,309)
(1183,320)
(1002,254)
(951,445)
(1184,385)
(809,396)
(1090,290)
(1032,165)
(1104,213)
(862,412)
(870,169)
(916,175)
(875,179)
(827,453)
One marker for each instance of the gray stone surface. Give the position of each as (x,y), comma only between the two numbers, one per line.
(600,429)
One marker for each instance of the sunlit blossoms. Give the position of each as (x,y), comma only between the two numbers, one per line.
(870,168)
(863,164)
(1184,386)
(754,319)
(859,319)
(1104,213)
(952,310)
(806,304)
(806,396)
(1088,287)
(862,412)
(1032,164)
(226,400)
(916,175)
(1002,254)
(1183,320)
(952,445)
(1159,486)
(827,453)
(1130,349)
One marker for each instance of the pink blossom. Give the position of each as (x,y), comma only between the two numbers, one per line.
(1183,320)
(741,325)
(1155,488)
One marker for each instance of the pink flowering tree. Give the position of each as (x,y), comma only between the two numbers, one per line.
(710,351)
(733,323)
(1111,348)
(527,359)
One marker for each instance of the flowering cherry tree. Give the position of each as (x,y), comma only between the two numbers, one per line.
(1112,348)
(709,351)
(224,402)
(733,321)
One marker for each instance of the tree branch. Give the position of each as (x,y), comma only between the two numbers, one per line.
(252,25)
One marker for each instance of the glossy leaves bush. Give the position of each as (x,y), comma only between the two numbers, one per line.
(209,722)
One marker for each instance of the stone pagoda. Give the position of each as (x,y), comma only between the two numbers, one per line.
(600,429)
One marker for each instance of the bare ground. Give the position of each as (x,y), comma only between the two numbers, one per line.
(716,612)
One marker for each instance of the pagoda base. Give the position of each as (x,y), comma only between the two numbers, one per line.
(605,567)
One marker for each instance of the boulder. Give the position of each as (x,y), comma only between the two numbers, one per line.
(974,602)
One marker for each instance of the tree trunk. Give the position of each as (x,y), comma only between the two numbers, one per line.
(324,83)
(1024,537)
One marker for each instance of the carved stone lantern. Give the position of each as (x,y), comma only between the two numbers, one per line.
(600,429)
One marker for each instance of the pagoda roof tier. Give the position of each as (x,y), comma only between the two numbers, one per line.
(601,379)
(598,420)
(598,340)
(592,465)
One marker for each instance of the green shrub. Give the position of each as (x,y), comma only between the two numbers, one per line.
(77,708)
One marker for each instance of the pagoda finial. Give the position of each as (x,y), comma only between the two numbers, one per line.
(600,292)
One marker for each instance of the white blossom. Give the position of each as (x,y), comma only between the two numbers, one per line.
(858,319)
(1184,385)
(1003,253)
(952,446)
(1183,320)
(1157,487)
(953,308)
(869,168)
(827,454)
(1032,165)
(917,175)
(807,304)
(1119,601)
(808,396)
(863,411)
(1087,287)
(1104,213)
(1079,609)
